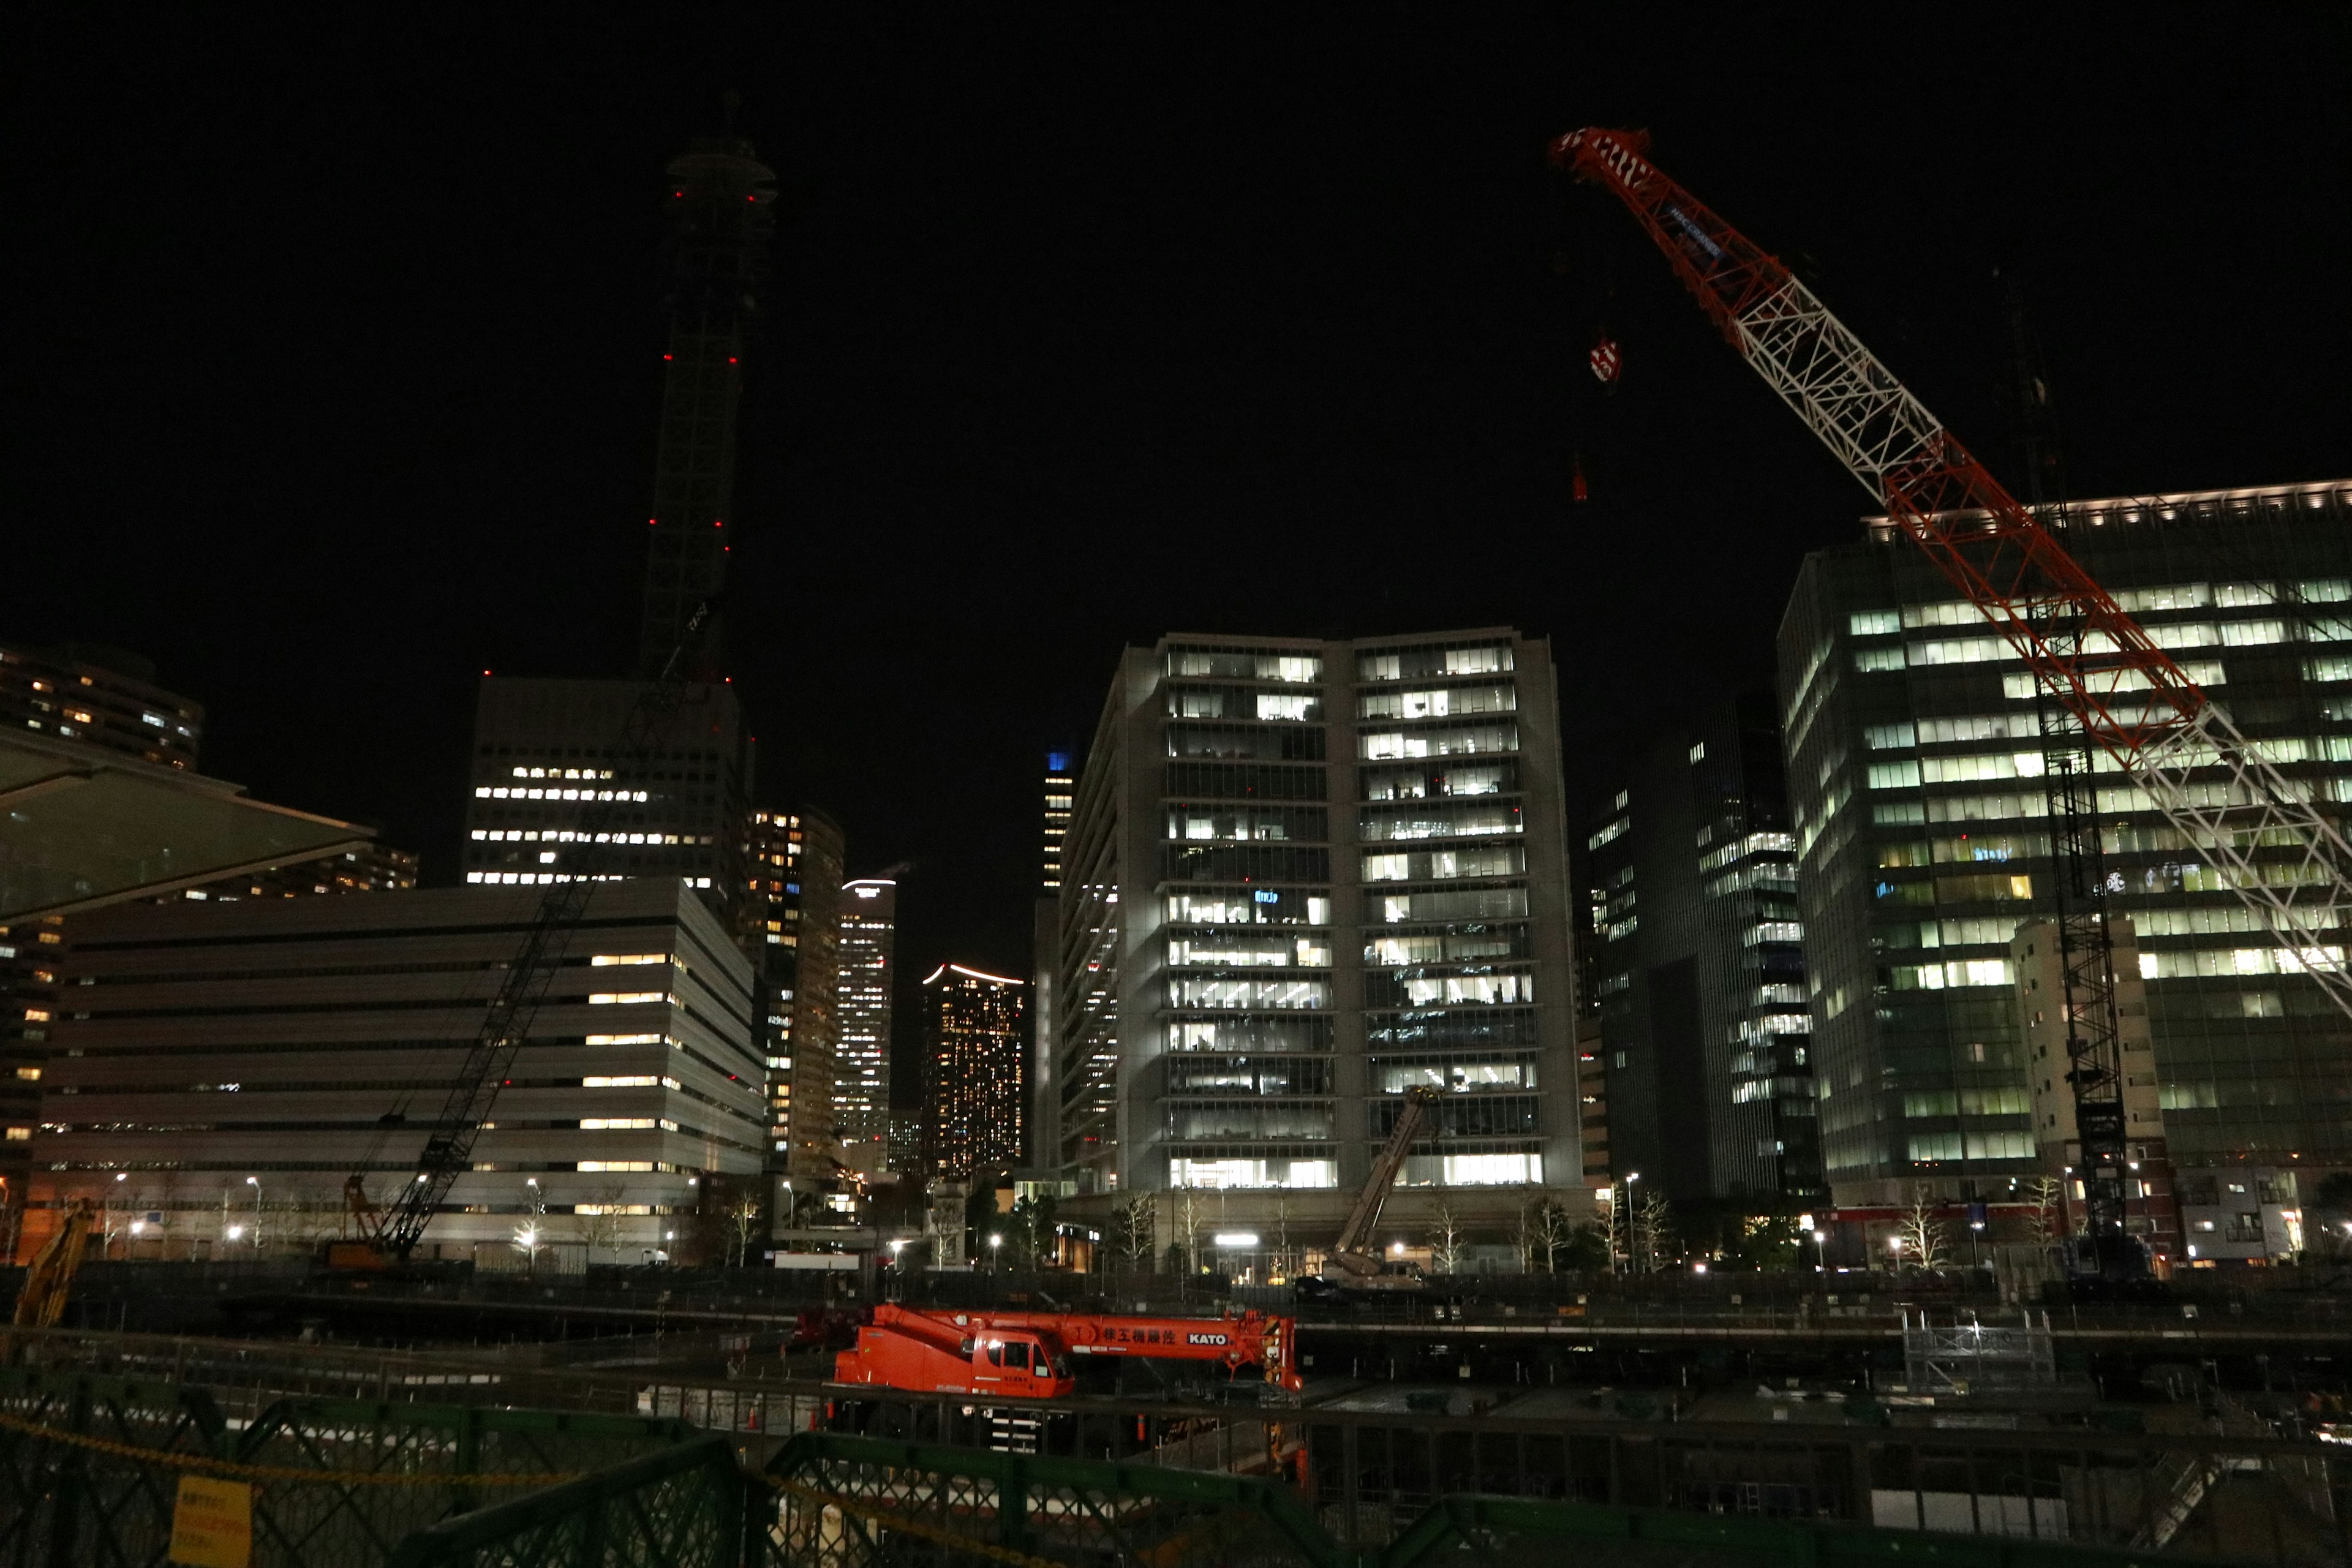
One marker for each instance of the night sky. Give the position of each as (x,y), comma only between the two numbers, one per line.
(335,350)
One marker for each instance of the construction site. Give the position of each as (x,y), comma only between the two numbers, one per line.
(368,1404)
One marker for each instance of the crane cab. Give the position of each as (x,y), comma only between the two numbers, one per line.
(1024,1363)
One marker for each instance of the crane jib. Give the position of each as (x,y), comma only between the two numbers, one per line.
(1698,235)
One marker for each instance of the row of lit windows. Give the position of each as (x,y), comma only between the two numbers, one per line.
(542,879)
(502,792)
(567,835)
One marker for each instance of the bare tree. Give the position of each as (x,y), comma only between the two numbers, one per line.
(1136,1230)
(2045,1191)
(1554,1229)
(1188,1228)
(1284,1264)
(1653,1225)
(602,1220)
(1922,1232)
(743,1217)
(1445,1241)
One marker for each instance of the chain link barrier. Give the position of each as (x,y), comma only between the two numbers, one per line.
(238,1471)
(931,1533)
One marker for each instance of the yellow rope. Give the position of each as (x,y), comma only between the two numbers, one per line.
(912,1527)
(234,1470)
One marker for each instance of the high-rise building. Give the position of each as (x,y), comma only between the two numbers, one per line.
(1044,934)
(722,205)
(1916,764)
(1301,878)
(310,1040)
(101,696)
(549,753)
(973,1103)
(1700,969)
(1059,784)
(869,969)
(797,859)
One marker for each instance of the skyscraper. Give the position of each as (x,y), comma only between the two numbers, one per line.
(869,969)
(1302,876)
(1700,969)
(798,858)
(1916,773)
(973,1103)
(1044,940)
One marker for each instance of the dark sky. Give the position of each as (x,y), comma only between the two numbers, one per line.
(334,349)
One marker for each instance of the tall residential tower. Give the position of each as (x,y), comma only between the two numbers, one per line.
(868,967)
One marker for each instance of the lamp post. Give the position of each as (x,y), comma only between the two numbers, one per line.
(994,1244)
(1894,1262)
(1821,1253)
(255,1182)
(1633,1215)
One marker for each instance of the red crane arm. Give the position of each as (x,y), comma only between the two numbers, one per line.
(1986,545)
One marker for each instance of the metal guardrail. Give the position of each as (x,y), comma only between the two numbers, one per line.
(84,1463)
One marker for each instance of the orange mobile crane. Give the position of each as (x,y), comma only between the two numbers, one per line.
(1028,1355)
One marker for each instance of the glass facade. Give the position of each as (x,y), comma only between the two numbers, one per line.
(1700,967)
(1915,770)
(1303,878)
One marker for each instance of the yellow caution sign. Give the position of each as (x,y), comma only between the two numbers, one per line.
(212,1523)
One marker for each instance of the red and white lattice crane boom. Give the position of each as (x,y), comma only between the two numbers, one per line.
(2220,788)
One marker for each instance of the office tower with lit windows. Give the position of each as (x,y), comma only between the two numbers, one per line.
(1915,760)
(1302,876)
(973,1103)
(797,861)
(1699,966)
(101,696)
(868,968)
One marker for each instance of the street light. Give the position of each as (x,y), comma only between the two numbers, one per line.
(255,1182)
(994,1242)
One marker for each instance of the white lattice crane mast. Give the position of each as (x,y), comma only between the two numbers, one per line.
(2131,699)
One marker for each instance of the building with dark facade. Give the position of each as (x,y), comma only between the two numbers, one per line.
(99,696)
(797,864)
(867,964)
(546,749)
(1915,767)
(1061,785)
(1699,968)
(974,1108)
(1301,877)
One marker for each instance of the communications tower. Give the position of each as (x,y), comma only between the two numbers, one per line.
(722,205)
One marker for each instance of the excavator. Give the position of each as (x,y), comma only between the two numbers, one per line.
(1028,1355)
(1350,1266)
(48,1278)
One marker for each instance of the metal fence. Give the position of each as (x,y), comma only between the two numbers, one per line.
(90,1466)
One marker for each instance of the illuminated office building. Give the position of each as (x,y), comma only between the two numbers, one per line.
(1300,878)
(1914,763)
(797,866)
(973,1103)
(868,968)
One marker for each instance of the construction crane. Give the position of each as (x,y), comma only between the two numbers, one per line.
(1349,1267)
(1028,1355)
(2219,789)
(389,1234)
(48,1278)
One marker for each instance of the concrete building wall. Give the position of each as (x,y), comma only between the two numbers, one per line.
(208,1057)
